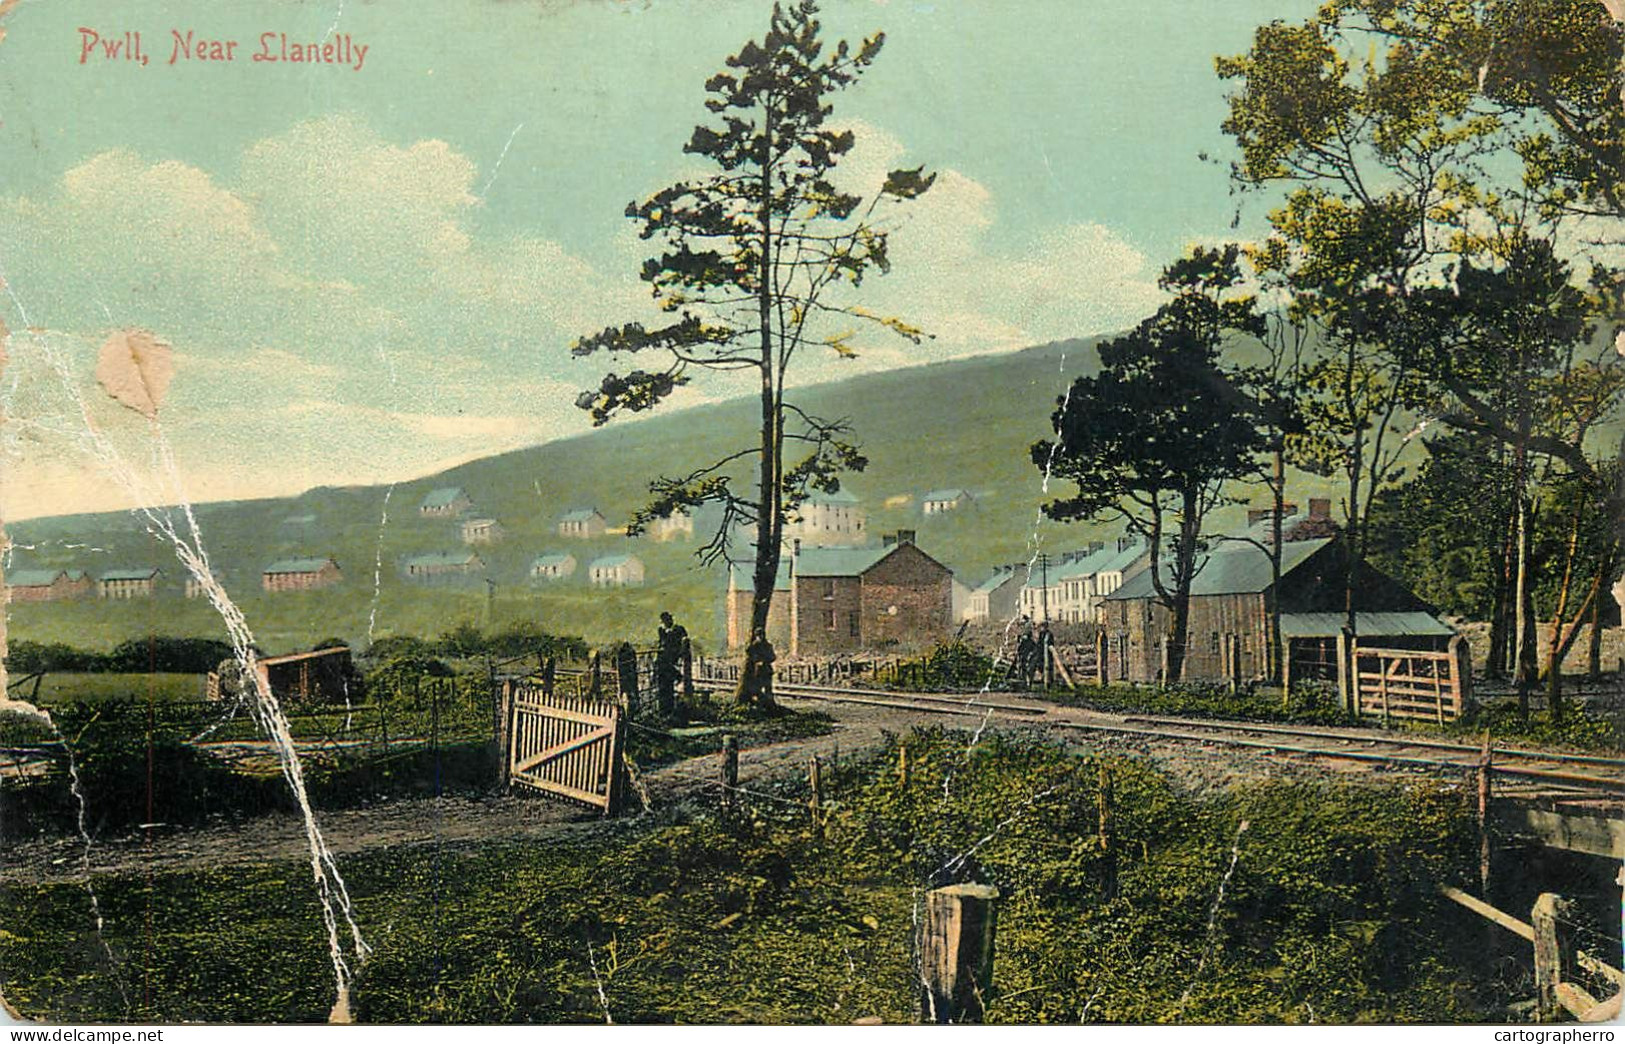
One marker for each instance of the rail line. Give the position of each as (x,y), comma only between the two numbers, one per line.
(1551,768)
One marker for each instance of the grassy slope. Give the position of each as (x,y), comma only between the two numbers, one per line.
(966,423)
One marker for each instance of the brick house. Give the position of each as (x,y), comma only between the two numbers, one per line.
(445,502)
(481,531)
(554,566)
(615,571)
(47,585)
(1232,597)
(433,564)
(845,599)
(300,574)
(118,584)
(582,524)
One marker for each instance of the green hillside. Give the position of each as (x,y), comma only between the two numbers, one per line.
(965,423)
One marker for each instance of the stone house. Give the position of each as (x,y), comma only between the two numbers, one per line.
(999,596)
(441,564)
(582,524)
(553,566)
(615,571)
(445,502)
(938,501)
(481,531)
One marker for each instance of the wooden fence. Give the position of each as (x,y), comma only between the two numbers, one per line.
(564,745)
(1419,684)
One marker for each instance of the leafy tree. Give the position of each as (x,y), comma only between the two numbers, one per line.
(1153,437)
(758,263)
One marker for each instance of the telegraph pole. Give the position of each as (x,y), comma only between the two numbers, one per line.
(1043,589)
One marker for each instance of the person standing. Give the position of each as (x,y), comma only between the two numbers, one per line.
(671,646)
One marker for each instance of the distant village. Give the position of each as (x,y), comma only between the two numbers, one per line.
(842,590)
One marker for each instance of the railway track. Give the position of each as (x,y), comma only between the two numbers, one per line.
(1561,774)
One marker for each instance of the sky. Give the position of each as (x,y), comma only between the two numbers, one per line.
(366,274)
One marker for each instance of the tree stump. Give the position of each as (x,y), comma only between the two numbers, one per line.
(956,953)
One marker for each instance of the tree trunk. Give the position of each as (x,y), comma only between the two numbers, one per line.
(1184,565)
(1523,633)
(1500,613)
(1558,648)
(1277,657)
(756,680)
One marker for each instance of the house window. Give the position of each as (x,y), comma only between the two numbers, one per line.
(852,624)
(829,619)
(829,591)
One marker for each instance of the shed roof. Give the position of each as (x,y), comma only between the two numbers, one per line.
(1230,569)
(1388,625)
(433,558)
(445,496)
(299,565)
(130,574)
(32,577)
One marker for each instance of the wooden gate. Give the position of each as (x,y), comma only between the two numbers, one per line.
(566,746)
(1410,683)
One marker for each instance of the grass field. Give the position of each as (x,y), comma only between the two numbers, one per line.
(63,687)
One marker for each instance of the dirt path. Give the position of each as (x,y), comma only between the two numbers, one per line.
(466,819)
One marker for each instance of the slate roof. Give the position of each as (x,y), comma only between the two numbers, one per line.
(551,559)
(744,575)
(434,558)
(445,496)
(1386,625)
(32,577)
(947,494)
(996,581)
(1230,569)
(299,565)
(840,561)
(609,561)
(130,574)
(580,515)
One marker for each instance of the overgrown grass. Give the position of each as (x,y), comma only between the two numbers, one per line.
(1307,705)
(1328,911)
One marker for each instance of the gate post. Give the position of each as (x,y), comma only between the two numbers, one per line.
(1550,947)
(1102,673)
(956,953)
(509,714)
(1461,660)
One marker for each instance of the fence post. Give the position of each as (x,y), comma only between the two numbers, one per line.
(730,770)
(815,781)
(956,953)
(1550,955)
(1348,687)
(688,670)
(1484,817)
(1461,659)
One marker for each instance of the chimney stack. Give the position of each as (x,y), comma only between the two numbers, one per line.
(888,540)
(905,536)
(1320,508)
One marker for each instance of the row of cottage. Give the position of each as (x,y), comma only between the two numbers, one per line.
(305,574)
(843,600)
